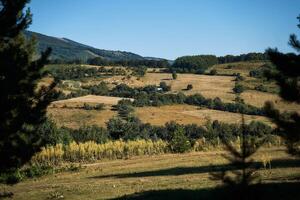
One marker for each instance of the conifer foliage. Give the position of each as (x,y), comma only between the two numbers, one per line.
(287,76)
(242,173)
(23,104)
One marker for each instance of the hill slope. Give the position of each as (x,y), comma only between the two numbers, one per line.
(66,49)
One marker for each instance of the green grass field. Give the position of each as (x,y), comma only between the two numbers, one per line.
(169,176)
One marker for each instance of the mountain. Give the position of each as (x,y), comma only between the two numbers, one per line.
(66,49)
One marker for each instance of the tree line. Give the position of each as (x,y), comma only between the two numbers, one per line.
(185,64)
(153,95)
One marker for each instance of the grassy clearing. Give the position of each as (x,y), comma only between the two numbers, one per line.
(209,86)
(75,118)
(91,99)
(238,67)
(185,114)
(258,99)
(165,175)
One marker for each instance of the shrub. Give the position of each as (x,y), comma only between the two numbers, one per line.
(99,106)
(213,72)
(100,89)
(238,88)
(189,87)
(239,77)
(38,170)
(123,90)
(238,99)
(261,88)
(116,128)
(90,133)
(174,75)
(53,135)
(11,177)
(164,86)
(179,142)
(124,110)
(139,71)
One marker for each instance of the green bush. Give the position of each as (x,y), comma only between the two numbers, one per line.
(174,75)
(189,87)
(213,72)
(139,71)
(90,133)
(179,142)
(11,177)
(37,171)
(52,135)
(194,64)
(163,85)
(238,89)
(99,106)
(238,99)
(261,88)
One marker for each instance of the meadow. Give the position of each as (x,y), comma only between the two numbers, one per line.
(67,113)
(168,176)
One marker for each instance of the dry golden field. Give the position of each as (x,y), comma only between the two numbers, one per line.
(258,99)
(239,67)
(75,117)
(169,176)
(186,114)
(107,100)
(208,86)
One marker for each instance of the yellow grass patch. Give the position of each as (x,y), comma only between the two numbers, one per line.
(74,118)
(239,67)
(173,172)
(185,114)
(258,99)
(209,86)
(91,99)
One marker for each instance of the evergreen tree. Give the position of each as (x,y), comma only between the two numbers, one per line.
(287,77)
(174,75)
(23,104)
(242,175)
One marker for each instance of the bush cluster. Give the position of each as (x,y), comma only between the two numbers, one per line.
(128,137)
(78,72)
(99,106)
(153,95)
(194,64)
(162,63)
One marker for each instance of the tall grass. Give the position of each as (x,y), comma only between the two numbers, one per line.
(91,151)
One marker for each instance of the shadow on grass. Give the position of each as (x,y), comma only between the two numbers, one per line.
(274,191)
(289,163)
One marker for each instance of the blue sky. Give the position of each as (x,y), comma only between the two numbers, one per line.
(170,28)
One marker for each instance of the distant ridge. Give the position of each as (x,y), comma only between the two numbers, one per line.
(66,49)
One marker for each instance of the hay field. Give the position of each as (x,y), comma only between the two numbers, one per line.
(208,86)
(75,118)
(107,100)
(68,113)
(258,99)
(238,67)
(169,176)
(185,114)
